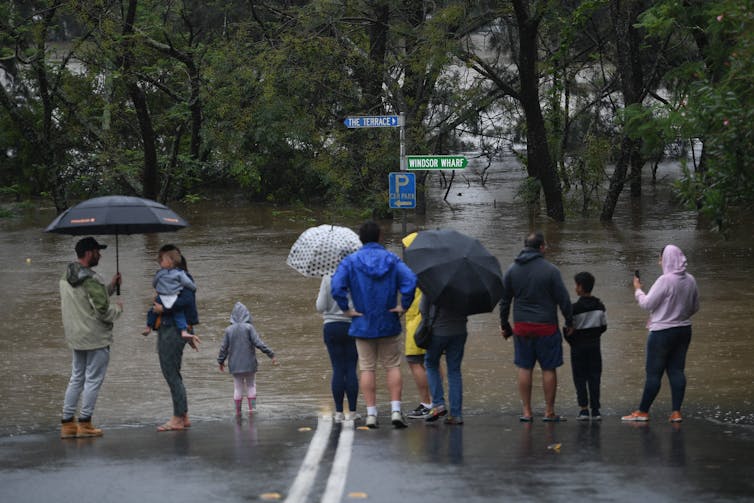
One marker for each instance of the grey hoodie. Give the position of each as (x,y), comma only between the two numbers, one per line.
(240,341)
(538,288)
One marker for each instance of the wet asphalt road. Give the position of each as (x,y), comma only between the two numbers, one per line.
(487,459)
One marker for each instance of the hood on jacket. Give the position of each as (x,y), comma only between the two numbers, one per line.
(527,255)
(240,314)
(77,273)
(673,260)
(373,260)
(409,239)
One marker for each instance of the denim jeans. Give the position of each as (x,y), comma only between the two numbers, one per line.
(666,352)
(343,356)
(88,371)
(453,346)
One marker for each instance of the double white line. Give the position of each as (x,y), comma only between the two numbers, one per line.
(336,482)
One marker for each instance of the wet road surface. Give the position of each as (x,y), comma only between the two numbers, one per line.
(490,458)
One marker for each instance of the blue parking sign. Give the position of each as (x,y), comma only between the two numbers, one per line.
(402,190)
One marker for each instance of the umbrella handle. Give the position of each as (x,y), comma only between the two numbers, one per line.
(117,266)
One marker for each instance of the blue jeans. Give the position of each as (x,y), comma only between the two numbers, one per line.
(179,317)
(666,352)
(343,356)
(453,347)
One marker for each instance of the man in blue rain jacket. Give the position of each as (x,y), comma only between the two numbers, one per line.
(373,276)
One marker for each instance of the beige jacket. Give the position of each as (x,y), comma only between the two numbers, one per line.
(87,312)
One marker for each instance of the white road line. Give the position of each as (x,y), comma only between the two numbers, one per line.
(336,483)
(305,479)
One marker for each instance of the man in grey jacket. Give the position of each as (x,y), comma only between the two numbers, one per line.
(538,290)
(88,319)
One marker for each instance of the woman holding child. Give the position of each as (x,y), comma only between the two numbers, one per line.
(170,343)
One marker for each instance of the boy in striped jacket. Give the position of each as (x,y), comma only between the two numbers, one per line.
(589,322)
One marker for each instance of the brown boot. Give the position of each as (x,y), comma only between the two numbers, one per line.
(69,428)
(87,430)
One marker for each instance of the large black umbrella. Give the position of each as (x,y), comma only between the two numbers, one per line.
(455,271)
(116,215)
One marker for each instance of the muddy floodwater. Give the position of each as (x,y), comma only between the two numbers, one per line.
(236,252)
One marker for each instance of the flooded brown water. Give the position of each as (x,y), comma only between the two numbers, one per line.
(237,251)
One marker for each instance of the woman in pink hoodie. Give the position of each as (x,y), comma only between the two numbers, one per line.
(671,302)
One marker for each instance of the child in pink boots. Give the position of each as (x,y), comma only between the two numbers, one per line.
(239,348)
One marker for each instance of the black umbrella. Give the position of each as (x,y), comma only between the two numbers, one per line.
(116,215)
(455,271)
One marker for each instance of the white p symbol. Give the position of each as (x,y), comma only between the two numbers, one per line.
(401,180)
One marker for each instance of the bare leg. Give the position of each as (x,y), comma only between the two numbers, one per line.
(367,385)
(550,386)
(420,378)
(524,389)
(394,383)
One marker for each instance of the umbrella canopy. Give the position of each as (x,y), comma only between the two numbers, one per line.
(116,215)
(318,250)
(455,271)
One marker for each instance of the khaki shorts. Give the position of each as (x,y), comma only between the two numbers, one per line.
(386,350)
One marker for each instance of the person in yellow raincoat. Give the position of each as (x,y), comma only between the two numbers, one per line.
(415,354)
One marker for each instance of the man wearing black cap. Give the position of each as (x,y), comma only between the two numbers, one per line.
(88,319)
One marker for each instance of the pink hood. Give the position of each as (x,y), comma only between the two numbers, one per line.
(673,298)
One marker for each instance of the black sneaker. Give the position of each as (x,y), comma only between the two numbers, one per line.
(596,415)
(583,415)
(420,412)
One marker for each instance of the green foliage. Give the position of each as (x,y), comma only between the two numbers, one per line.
(713,105)
(587,172)
(529,192)
(253,95)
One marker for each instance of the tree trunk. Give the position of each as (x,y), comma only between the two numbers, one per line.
(618,179)
(150,172)
(539,160)
(373,78)
(628,58)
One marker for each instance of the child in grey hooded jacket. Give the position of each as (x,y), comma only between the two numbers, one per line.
(239,349)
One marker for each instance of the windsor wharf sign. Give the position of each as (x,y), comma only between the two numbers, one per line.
(372,121)
(420,162)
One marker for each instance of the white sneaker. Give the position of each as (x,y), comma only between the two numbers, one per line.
(338,417)
(371,421)
(352,416)
(398,420)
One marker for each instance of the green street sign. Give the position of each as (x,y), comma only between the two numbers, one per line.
(422,162)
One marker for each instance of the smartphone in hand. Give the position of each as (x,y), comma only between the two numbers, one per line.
(636,274)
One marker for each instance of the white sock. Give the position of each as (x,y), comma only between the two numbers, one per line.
(372,411)
(426,405)
(395,405)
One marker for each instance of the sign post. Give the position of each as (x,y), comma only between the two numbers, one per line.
(402,186)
